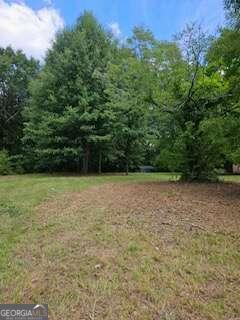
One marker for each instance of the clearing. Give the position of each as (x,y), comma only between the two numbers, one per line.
(115,247)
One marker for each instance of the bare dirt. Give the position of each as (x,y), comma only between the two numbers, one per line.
(214,207)
(137,251)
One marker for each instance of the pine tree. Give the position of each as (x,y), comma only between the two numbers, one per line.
(67,114)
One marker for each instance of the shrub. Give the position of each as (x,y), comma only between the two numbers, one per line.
(17,164)
(5,165)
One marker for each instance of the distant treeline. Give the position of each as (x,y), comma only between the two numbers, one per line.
(102,104)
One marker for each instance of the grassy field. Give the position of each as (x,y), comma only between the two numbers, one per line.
(121,247)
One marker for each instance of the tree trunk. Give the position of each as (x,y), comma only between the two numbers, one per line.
(78,164)
(100,162)
(84,165)
(86,160)
(127,168)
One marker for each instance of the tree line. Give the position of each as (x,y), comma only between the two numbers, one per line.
(98,104)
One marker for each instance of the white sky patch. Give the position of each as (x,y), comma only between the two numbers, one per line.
(115,29)
(27,29)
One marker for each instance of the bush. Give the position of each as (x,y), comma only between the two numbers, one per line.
(17,164)
(5,165)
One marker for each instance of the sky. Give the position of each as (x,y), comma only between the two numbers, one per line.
(31,25)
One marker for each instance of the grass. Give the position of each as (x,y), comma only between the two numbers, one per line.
(26,191)
(29,190)
(231,178)
(19,195)
(102,268)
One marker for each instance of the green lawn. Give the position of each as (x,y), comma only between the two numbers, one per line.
(122,257)
(20,194)
(26,191)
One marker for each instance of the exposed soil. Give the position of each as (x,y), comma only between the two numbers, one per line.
(137,251)
(213,207)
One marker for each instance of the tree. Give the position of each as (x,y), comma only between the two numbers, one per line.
(67,118)
(141,43)
(125,93)
(16,71)
(202,100)
(171,104)
(166,73)
(198,96)
(224,58)
(233,12)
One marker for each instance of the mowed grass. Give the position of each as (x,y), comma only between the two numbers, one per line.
(96,264)
(20,195)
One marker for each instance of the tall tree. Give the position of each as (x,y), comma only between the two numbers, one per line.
(67,115)
(125,93)
(197,96)
(129,78)
(165,77)
(224,58)
(233,12)
(16,71)
(204,99)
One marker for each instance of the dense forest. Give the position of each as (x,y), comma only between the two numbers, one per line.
(97,104)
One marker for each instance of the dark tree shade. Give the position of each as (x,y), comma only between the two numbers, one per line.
(16,71)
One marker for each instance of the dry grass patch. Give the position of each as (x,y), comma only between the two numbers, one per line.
(133,251)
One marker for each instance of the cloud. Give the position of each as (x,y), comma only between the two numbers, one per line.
(115,29)
(28,29)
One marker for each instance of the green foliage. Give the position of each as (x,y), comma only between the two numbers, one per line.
(10,164)
(16,71)
(202,151)
(5,165)
(125,93)
(17,164)
(224,58)
(100,104)
(232,129)
(67,116)
(198,147)
(169,159)
(233,12)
